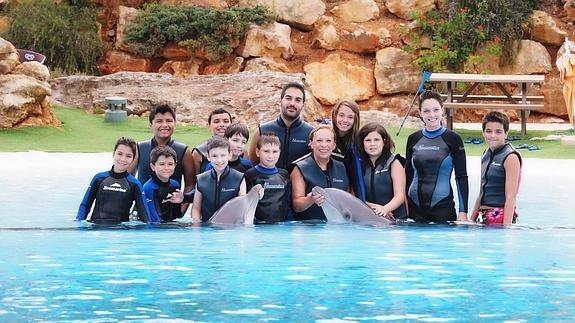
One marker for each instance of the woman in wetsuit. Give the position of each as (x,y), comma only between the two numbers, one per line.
(500,174)
(382,173)
(317,168)
(432,155)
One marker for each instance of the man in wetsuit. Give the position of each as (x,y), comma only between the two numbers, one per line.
(292,131)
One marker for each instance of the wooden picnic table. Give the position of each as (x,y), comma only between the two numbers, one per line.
(523,103)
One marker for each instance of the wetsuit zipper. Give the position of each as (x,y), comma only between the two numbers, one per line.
(286,150)
(486,170)
(218,184)
(372,184)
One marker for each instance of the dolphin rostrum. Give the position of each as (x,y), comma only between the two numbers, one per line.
(341,207)
(239,210)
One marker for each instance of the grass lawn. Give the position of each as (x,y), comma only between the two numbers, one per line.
(84,132)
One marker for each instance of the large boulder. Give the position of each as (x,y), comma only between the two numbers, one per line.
(230,65)
(8,57)
(530,57)
(272,40)
(116,61)
(126,15)
(33,69)
(406,8)
(301,14)
(357,10)
(545,29)
(335,78)
(350,37)
(552,90)
(249,96)
(25,101)
(395,72)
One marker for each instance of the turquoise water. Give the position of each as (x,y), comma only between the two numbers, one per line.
(55,269)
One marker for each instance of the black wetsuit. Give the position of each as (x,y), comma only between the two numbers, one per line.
(241,165)
(114,194)
(493,175)
(202,149)
(157,196)
(431,158)
(379,183)
(216,193)
(349,156)
(145,171)
(335,176)
(275,204)
(294,140)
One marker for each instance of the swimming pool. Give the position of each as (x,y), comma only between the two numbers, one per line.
(55,269)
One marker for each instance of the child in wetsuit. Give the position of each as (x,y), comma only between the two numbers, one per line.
(163,194)
(218,185)
(114,191)
(238,135)
(275,204)
(500,174)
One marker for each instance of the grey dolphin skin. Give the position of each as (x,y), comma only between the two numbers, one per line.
(341,207)
(239,210)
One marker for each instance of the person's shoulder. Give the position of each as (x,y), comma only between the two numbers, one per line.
(302,159)
(451,134)
(132,179)
(283,172)
(174,183)
(399,158)
(102,174)
(415,135)
(178,144)
(150,184)
(246,162)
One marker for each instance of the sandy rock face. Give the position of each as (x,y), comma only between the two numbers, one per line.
(335,78)
(545,29)
(272,40)
(230,65)
(8,56)
(249,96)
(262,64)
(395,72)
(33,69)
(25,102)
(181,68)
(116,61)
(405,8)
(126,16)
(353,37)
(301,14)
(357,10)
(530,58)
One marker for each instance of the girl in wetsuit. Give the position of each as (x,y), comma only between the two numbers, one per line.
(382,173)
(432,155)
(345,122)
(500,174)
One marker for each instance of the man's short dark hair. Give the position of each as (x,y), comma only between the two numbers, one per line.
(126,141)
(496,116)
(165,151)
(163,108)
(296,85)
(237,128)
(218,142)
(218,111)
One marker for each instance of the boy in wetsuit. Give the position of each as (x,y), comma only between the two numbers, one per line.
(238,135)
(218,185)
(115,190)
(275,204)
(218,121)
(163,193)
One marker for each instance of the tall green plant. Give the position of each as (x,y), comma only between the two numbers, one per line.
(212,30)
(457,32)
(65,34)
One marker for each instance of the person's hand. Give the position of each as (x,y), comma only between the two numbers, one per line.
(261,190)
(177,197)
(318,199)
(462,216)
(383,211)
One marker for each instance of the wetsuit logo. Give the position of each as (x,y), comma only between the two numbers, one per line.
(424,147)
(274,186)
(299,141)
(495,164)
(167,198)
(115,187)
(337,180)
(381,171)
(227,189)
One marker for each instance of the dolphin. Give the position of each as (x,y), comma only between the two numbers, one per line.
(342,207)
(239,210)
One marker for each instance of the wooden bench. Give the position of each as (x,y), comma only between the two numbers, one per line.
(522,103)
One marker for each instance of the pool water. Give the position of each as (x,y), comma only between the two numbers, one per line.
(55,269)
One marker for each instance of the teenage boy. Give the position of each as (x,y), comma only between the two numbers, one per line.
(275,204)
(163,123)
(291,130)
(238,135)
(218,121)
(163,193)
(218,185)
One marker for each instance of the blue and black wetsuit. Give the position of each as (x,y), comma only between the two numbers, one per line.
(113,194)
(145,171)
(335,176)
(294,140)
(431,158)
(241,165)
(378,183)
(216,193)
(275,206)
(493,175)
(202,149)
(158,196)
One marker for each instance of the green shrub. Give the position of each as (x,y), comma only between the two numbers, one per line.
(465,25)
(214,30)
(65,34)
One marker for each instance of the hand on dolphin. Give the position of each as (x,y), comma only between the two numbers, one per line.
(316,197)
